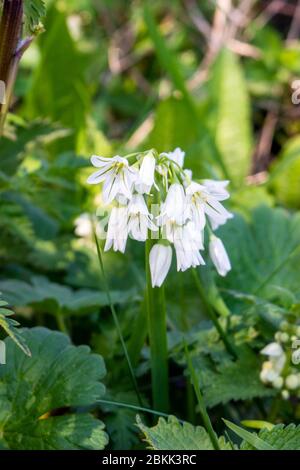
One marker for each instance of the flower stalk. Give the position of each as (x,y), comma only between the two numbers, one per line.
(157,330)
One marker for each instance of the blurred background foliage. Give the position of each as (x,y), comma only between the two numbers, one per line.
(111,77)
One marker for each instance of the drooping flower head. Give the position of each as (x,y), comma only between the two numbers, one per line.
(155,196)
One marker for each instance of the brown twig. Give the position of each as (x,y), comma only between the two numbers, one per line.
(263,149)
(10,35)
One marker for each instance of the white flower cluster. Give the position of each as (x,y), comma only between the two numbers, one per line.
(279,371)
(176,212)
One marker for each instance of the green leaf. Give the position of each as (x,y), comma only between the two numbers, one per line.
(167,60)
(172,435)
(34,11)
(12,151)
(120,422)
(280,437)
(52,297)
(231,110)
(63,98)
(264,252)
(10,327)
(251,438)
(57,376)
(231,380)
(285,174)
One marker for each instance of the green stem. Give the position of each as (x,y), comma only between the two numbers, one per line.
(116,320)
(137,408)
(61,322)
(202,407)
(157,330)
(213,316)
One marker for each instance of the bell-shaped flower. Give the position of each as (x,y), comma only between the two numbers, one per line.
(160,259)
(117,177)
(140,220)
(217,189)
(176,156)
(145,179)
(188,241)
(175,206)
(117,232)
(219,256)
(202,202)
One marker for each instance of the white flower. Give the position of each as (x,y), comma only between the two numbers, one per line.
(174,208)
(117,175)
(145,178)
(273,350)
(176,156)
(272,368)
(219,256)
(217,189)
(117,232)
(202,202)
(292,382)
(83,225)
(139,218)
(160,258)
(188,241)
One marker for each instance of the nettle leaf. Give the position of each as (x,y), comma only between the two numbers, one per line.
(10,326)
(58,375)
(172,435)
(34,11)
(264,252)
(280,437)
(120,421)
(231,380)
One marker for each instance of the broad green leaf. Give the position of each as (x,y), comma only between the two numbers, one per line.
(231,380)
(53,297)
(231,110)
(249,437)
(57,376)
(280,437)
(172,127)
(264,252)
(58,89)
(10,326)
(285,174)
(172,435)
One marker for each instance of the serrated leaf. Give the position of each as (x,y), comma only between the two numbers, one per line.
(263,251)
(280,437)
(170,434)
(34,11)
(58,375)
(231,380)
(9,325)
